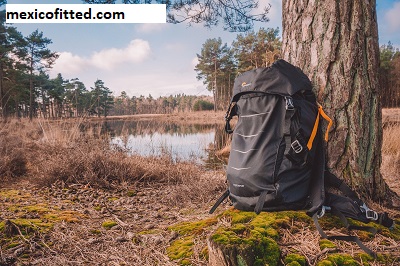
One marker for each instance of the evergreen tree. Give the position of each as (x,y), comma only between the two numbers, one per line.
(11,49)
(39,58)
(102,98)
(253,50)
(216,67)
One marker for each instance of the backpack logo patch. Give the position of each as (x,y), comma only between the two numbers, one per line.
(245,85)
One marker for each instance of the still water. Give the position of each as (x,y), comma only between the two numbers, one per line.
(195,143)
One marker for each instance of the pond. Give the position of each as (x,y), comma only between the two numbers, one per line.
(182,142)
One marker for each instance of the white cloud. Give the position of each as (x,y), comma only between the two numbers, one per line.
(195,61)
(69,63)
(137,51)
(151,27)
(392,17)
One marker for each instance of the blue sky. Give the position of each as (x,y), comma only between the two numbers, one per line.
(156,59)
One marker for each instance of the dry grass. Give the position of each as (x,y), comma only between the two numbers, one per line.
(391,156)
(390,115)
(49,152)
(54,153)
(12,151)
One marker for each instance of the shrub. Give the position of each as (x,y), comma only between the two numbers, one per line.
(202,105)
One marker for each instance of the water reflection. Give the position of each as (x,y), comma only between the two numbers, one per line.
(196,143)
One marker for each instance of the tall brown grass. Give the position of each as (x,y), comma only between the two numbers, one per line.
(12,158)
(391,156)
(48,151)
(60,152)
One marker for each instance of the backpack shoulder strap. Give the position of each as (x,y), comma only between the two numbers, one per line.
(317,188)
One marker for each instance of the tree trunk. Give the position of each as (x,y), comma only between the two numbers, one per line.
(2,95)
(31,90)
(335,42)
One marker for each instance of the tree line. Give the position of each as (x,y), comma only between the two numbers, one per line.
(389,75)
(26,90)
(219,64)
(125,105)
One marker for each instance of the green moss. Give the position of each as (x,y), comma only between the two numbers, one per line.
(97,208)
(388,258)
(329,222)
(193,228)
(326,263)
(295,258)
(364,259)
(13,194)
(293,263)
(185,262)
(238,228)
(131,193)
(256,242)
(95,232)
(66,216)
(13,245)
(30,225)
(2,225)
(325,243)
(112,199)
(226,237)
(181,249)
(241,261)
(339,260)
(150,232)
(394,233)
(25,256)
(204,253)
(38,208)
(108,224)
(240,216)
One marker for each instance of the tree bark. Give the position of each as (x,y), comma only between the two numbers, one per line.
(335,42)
(2,95)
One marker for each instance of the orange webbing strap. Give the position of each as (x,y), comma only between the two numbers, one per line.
(315,128)
(327,118)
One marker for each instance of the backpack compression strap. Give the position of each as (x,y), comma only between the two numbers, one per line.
(348,238)
(381,218)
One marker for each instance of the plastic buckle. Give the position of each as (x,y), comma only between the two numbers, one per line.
(296,146)
(322,212)
(289,103)
(372,215)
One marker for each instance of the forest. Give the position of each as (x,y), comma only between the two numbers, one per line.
(26,90)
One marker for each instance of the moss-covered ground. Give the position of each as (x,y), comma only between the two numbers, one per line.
(260,240)
(26,219)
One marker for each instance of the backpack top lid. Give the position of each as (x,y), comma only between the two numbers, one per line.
(280,78)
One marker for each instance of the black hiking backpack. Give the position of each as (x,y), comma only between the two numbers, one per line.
(277,157)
